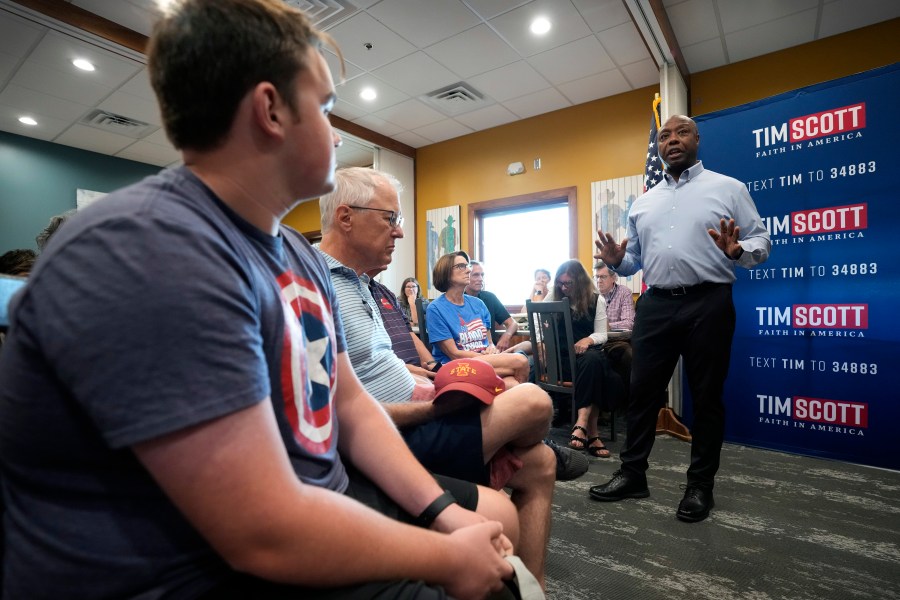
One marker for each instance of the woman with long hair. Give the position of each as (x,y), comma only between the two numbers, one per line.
(593,377)
(459,325)
(410,290)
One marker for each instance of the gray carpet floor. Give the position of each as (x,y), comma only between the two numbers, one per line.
(784,527)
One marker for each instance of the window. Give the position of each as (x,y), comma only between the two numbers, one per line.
(515,236)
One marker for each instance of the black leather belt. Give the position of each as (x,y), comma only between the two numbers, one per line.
(684,291)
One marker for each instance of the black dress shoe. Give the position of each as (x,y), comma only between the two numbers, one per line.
(622,485)
(695,505)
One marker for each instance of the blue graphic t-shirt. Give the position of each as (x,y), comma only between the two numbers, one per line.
(468,325)
(155,309)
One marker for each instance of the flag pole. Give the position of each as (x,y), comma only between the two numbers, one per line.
(667,421)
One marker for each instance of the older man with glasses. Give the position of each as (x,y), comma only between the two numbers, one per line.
(500,317)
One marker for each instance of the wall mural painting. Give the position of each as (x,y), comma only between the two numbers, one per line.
(441,237)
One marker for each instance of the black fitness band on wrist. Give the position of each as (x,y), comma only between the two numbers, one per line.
(434,509)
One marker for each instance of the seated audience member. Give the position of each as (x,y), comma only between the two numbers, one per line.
(405,344)
(419,361)
(410,291)
(619,301)
(225,449)
(594,381)
(52,227)
(360,224)
(500,317)
(459,324)
(619,316)
(541,288)
(17,262)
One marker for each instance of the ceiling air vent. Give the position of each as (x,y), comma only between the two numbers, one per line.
(456,99)
(324,13)
(113,123)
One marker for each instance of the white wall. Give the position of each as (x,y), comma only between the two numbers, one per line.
(404,263)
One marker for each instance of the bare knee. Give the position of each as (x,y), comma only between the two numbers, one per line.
(497,506)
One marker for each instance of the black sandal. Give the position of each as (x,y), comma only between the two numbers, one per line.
(581,440)
(600,451)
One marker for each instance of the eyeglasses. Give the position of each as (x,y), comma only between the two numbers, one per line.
(601,277)
(395,220)
(564,284)
(461,266)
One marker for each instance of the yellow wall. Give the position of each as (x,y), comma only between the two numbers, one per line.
(304,217)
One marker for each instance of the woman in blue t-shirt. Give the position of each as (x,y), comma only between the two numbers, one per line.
(459,326)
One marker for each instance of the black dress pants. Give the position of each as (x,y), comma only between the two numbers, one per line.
(699,327)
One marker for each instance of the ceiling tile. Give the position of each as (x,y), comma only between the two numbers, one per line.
(348,111)
(572,61)
(46,129)
(410,114)
(736,16)
(602,14)
(510,81)
(18,36)
(641,74)
(67,86)
(412,139)
(488,9)
(380,125)
(567,26)
(139,85)
(424,23)
(704,55)
(473,52)
(844,15)
(693,21)
(416,74)
(8,64)
(159,138)
(771,36)
(624,44)
(334,65)
(443,130)
(146,152)
(535,104)
(43,104)
(590,88)
(387,95)
(485,118)
(95,140)
(133,107)
(360,29)
(57,51)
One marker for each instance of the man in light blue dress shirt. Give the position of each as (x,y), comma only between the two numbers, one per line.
(687,233)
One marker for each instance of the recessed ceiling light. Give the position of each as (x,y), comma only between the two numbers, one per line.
(368,94)
(83,64)
(27,121)
(540,26)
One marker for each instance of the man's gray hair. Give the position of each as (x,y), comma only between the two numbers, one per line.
(603,265)
(354,186)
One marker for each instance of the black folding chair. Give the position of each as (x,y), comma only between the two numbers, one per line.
(551,330)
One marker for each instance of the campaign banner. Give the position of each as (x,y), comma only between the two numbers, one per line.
(812,365)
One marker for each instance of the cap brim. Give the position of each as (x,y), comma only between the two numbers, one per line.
(473,390)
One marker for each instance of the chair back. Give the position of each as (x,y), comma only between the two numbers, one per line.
(421,307)
(551,330)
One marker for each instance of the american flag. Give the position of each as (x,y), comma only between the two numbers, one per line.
(653,167)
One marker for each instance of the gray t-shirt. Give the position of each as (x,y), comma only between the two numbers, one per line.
(153,310)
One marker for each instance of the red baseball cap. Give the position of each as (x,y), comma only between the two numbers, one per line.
(469,375)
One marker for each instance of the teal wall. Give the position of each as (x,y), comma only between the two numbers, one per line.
(38,179)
